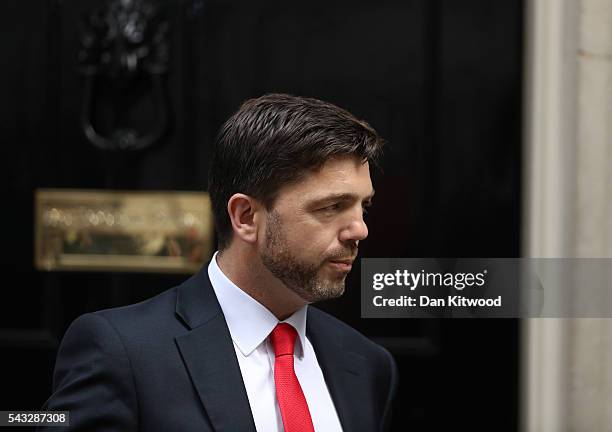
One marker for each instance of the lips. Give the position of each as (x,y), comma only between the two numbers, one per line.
(348,261)
(342,264)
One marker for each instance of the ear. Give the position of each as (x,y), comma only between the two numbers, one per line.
(242,211)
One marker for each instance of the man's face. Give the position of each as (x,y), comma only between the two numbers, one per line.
(311,234)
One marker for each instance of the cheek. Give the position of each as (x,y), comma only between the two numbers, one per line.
(311,240)
(319,245)
(311,237)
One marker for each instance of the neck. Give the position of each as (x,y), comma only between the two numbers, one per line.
(243,266)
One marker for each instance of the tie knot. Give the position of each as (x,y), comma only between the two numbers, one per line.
(282,339)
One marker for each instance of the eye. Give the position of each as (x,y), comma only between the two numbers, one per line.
(365,206)
(331,208)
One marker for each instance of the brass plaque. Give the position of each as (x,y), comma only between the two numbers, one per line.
(156,232)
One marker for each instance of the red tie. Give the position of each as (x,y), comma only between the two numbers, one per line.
(293,406)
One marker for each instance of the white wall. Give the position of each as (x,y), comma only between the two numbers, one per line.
(567,364)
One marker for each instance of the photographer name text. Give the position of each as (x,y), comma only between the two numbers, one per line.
(426,301)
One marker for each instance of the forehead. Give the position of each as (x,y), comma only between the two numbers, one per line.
(345,175)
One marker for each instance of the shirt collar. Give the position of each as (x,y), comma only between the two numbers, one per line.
(249,321)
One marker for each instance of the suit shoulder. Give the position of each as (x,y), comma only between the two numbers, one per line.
(151,308)
(147,320)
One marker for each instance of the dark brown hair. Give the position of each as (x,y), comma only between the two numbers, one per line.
(274,140)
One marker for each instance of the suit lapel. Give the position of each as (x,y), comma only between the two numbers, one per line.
(343,371)
(210,358)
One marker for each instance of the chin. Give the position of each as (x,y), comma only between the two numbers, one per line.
(331,291)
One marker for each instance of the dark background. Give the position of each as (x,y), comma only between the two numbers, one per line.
(439,79)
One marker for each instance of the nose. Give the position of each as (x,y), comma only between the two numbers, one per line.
(356,230)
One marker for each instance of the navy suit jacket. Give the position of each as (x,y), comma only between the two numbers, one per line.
(168,364)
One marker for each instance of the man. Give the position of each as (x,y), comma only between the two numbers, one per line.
(237,347)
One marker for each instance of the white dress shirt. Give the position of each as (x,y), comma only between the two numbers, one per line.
(249,324)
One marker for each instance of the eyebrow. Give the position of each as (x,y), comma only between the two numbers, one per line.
(339,197)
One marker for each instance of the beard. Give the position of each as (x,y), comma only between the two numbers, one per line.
(302,277)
